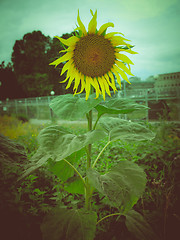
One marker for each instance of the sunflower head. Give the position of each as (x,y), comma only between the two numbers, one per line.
(94,58)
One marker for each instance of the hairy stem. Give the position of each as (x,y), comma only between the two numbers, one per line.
(88,165)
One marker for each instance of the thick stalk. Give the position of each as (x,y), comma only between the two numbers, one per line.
(88,187)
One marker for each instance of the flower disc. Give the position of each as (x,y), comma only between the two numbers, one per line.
(94,55)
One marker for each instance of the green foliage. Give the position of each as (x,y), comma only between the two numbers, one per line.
(123,184)
(119,129)
(139,227)
(74,185)
(35,84)
(63,154)
(61,106)
(118,106)
(69,224)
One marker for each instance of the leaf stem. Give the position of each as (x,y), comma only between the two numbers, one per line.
(76,171)
(98,117)
(113,214)
(100,153)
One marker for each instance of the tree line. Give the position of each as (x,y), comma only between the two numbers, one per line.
(29,73)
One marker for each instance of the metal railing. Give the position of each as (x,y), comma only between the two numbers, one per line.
(38,107)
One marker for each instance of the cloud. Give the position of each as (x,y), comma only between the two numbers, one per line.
(153,26)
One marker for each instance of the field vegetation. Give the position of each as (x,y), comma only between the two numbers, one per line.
(24,203)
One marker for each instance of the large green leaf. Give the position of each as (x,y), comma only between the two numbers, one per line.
(56,143)
(73,107)
(61,169)
(118,106)
(60,143)
(123,184)
(74,185)
(138,226)
(119,129)
(69,224)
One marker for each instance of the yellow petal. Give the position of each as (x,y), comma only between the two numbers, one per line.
(77,81)
(72,76)
(125,50)
(111,84)
(123,67)
(91,12)
(69,49)
(117,77)
(98,91)
(82,83)
(87,88)
(68,42)
(66,66)
(111,34)
(123,75)
(123,58)
(64,58)
(93,24)
(106,85)
(104,27)
(81,25)
(93,83)
(70,81)
(117,40)
(102,87)
(64,80)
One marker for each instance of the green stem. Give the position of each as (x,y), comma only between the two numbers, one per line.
(88,187)
(100,153)
(76,171)
(98,117)
(113,214)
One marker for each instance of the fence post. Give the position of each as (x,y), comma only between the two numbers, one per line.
(16,107)
(26,107)
(37,108)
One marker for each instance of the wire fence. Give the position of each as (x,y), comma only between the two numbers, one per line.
(38,108)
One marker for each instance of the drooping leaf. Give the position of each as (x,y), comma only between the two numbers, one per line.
(138,226)
(60,143)
(62,170)
(119,129)
(74,185)
(71,107)
(38,159)
(123,184)
(69,224)
(56,143)
(118,106)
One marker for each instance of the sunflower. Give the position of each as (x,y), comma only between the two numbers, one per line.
(94,58)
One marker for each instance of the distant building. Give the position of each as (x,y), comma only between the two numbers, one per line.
(167,83)
(137,83)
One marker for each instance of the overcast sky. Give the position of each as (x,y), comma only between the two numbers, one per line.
(152,25)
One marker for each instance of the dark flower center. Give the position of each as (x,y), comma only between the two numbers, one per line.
(94,55)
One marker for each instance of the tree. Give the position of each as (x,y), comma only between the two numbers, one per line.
(31,57)
(9,87)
